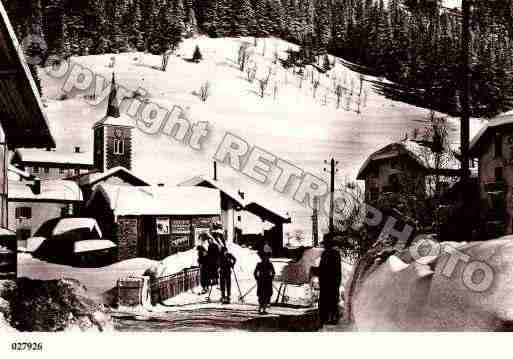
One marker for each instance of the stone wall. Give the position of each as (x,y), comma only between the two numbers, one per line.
(127,237)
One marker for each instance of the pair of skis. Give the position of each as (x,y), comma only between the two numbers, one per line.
(241,297)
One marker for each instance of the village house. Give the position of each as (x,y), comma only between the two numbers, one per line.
(493,147)
(33,201)
(53,163)
(22,123)
(407,166)
(153,221)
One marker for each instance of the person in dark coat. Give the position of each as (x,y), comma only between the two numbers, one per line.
(203,264)
(213,262)
(264,275)
(330,273)
(226,263)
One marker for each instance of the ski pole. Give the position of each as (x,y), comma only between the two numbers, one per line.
(237,282)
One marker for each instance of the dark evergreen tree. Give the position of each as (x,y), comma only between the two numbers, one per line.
(196,56)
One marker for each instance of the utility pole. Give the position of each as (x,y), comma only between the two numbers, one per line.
(465,89)
(315,222)
(332,171)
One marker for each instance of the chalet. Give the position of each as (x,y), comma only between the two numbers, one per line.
(33,201)
(235,210)
(153,221)
(493,147)
(22,120)
(53,163)
(231,203)
(115,176)
(406,166)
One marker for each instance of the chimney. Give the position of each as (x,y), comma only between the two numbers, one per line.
(77,149)
(241,194)
(36,187)
(215,171)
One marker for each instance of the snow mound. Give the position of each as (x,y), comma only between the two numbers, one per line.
(246,261)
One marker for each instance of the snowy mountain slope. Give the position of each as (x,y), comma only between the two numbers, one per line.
(294,126)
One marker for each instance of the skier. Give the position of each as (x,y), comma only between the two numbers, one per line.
(203,264)
(226,264)
(329,283)
(264,275)
(213,261)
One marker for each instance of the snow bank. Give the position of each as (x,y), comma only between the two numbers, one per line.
(246,261)
(98,281)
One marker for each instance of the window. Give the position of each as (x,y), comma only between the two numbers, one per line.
(46,170)
(61,171)
(498,174)
(498,145)
(23,212)
(119,146)
(76,171)
(35,169)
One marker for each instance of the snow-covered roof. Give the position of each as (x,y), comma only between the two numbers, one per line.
(222,186)
(123,120)
(21,173)
(51,190)
(91,245)
(6,232)
(69,224)
(423,155)
(267,212)
(60,156)
(154,200)
(503,119)
(94,177)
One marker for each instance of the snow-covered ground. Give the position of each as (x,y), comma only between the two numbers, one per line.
(295,126)
(97,280)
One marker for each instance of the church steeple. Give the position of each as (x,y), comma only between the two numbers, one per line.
(113,136)
(113,106)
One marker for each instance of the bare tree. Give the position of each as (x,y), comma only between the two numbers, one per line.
(339,91)
(276,56)
(262,86)
(204,92)
(348,101)
(243,56)
(437,154)
(360,94)
(315,86)
(165,59)
(251,72)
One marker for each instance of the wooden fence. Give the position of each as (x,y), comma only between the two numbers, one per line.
(170,286)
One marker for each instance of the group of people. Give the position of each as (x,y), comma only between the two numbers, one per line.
(217,263)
